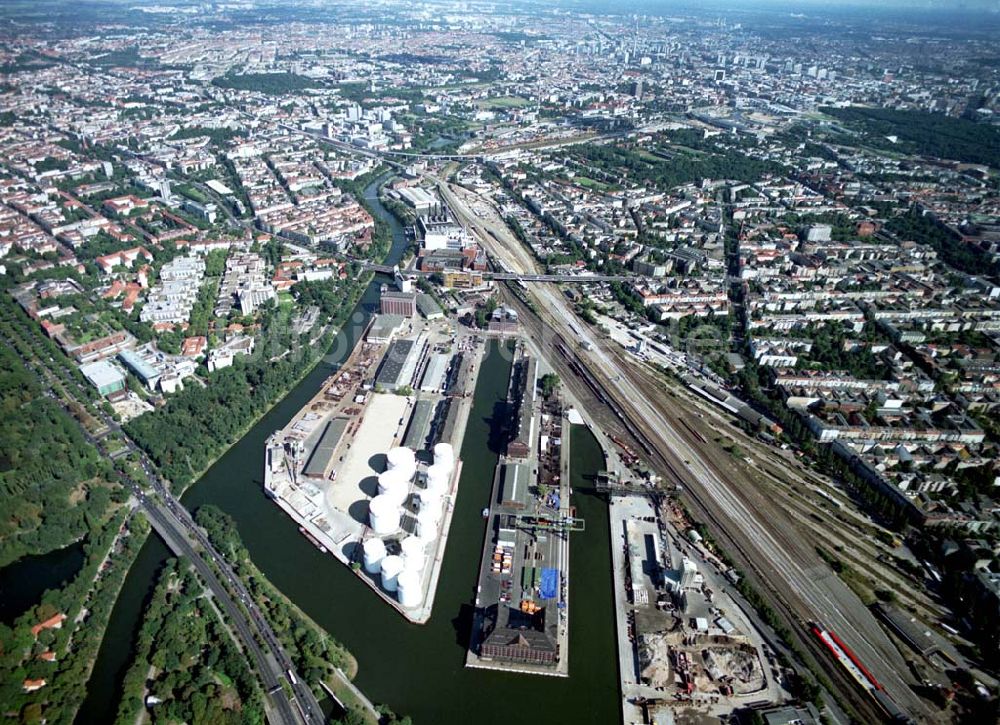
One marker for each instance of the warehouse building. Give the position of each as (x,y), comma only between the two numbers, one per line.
(419,427)
(435,374)
(428,307)
(398,303)
(383,329)
(524,394)
(321,459)
(424,202)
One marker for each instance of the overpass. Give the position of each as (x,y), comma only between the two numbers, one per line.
(506,276)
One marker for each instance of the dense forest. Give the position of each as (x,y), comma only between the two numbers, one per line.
(926,134)
(186,661)
(270,83)
(53,484)
(681,169)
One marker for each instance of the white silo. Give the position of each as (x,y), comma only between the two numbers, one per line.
(387,479)
(408,589)
(401,457)
(394,485)
(412,551)
(428,523)
(437,478)
(383,514)
(430,498)
(391,567)
(444,455)
(374,552)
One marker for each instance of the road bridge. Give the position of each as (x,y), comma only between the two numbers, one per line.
(507,276)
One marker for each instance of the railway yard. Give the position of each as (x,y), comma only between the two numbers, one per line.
(691,445)
(367,468)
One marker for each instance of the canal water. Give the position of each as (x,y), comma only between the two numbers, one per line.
(23,582)
(415,669)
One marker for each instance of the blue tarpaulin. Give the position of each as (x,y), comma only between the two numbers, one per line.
(549,587)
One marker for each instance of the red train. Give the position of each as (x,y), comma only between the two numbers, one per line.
(856,668)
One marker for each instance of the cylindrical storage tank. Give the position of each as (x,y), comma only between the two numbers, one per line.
(428,521)
(412,551)
(394,486)
(430,503)
(383,514)
(408,589)
(444,455)
(437,478)
(374,552)
(389,478)
(391,567)
(401,457)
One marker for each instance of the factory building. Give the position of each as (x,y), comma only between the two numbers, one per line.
(440,232)
(424,202)
(398,303)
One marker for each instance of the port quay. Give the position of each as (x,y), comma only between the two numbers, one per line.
(521,618)
(367,468)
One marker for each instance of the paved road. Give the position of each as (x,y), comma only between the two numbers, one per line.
(788,562)
(174,523)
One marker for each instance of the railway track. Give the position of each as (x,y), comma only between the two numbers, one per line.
(790,574)
(625,427)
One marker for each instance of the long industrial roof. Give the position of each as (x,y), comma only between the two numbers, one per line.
(434,373)
(322,454)
(416,434)
(393,362)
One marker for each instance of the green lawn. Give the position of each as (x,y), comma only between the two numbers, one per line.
(588,183)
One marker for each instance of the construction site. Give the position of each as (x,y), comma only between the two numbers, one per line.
(683,641)
(370,475)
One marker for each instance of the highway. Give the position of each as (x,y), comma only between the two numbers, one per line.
(177,528)
(756,529)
